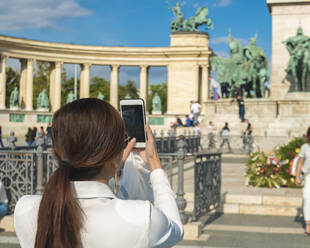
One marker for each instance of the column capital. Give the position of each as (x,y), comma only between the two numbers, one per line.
(58,63)
(86,65)
(114,67)
(30,61)
(3,56)
(144,67)
(205,66)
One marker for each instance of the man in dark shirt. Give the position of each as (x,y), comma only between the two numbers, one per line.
(240,102)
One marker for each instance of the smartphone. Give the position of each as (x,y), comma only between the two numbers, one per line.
(133,114)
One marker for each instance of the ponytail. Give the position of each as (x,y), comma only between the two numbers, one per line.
(59,217)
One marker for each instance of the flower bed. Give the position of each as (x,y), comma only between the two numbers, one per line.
(273,170)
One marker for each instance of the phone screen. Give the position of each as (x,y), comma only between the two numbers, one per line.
(133,118)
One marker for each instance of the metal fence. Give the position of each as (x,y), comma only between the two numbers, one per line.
(27,172)
(207,183)
(168,143)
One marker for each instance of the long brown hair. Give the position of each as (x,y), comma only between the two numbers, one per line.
(308,135)
(86,134)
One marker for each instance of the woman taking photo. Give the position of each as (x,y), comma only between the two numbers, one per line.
(304,167)
(78,208)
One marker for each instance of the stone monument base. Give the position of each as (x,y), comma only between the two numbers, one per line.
(288,117)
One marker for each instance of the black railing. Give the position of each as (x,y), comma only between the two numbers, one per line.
(207,183)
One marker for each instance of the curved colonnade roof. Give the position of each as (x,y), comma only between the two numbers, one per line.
(21,48)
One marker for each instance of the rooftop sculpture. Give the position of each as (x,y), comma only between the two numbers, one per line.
(191,24)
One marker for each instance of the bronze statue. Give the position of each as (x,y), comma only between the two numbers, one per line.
(14,98)
(246,70)
(42,100)
(298,65)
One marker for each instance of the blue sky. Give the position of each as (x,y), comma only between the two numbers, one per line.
(130,23)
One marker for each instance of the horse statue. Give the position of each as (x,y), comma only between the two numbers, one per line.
(192,23)
(299,64)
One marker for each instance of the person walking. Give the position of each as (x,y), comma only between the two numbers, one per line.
(225,136)
(4,207)
(304,168)
(33,136)
(78,208)
(1,143)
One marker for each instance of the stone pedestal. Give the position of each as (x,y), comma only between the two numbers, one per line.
(287,16)
(185,73)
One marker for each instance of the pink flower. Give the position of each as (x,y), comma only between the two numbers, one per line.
(262,171)
(291,154)
(287,171)
(277,169)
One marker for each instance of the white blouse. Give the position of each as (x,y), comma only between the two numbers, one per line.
(112,222)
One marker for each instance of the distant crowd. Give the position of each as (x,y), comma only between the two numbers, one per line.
(33,133)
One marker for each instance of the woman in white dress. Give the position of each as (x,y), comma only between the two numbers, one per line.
(78,208)
(304,167)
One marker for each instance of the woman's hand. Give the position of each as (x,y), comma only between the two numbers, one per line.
(149,154)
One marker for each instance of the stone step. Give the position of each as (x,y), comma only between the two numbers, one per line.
(278,205)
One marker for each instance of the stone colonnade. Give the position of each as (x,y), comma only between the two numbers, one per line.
(186,60)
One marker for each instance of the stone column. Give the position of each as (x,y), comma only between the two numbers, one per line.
(2,82)
(84,81)
(22,83)
(52,85)
(57,86)
(29,85)
(144,84)
(204,94)
(114,86)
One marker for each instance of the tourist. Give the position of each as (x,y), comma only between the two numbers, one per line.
(225,90)
(211,135)
(247,137)
(48,133)
(4,208)
(304,168)
(188,121)
(195,111)
(42,131)
(178,122)
(240,102)
(215,86)
(28,137)
(78,208)
(225,136)
(197,129)
(1,143)
(33,136)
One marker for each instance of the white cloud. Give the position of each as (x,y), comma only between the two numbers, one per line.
(21,14)
(223,39)
(223,3)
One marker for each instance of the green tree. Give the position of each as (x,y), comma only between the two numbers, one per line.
(98,84)
(12,81)
(161,90)
(129,88)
